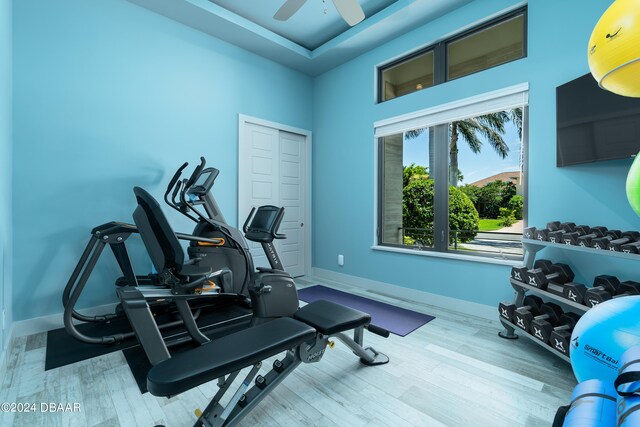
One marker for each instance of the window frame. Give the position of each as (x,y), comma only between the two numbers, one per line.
(441,58)
(431,119)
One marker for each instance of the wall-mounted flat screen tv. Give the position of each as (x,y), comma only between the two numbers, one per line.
(594,124)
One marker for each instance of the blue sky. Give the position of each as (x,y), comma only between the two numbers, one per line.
(474,167)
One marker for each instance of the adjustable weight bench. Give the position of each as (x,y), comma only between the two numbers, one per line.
(332,320)
(304,340)
(224,358)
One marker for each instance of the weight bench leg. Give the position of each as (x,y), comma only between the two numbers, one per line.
(368,356)
(245,398)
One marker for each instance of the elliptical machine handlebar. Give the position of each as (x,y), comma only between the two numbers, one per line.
(196,173)
(176,185)
(173,182)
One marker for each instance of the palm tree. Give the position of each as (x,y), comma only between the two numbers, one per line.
(490,126)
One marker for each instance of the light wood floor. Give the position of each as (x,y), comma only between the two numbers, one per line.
(454,371)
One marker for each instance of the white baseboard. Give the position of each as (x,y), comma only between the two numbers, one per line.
(449,303)
(54,321)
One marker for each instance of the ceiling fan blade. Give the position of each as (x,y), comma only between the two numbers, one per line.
(287,10)
(350,11)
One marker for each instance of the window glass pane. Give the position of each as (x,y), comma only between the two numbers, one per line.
(410,76)
(407,190)
(495,45)
(486,184)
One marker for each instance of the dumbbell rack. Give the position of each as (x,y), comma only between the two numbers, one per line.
(531,248)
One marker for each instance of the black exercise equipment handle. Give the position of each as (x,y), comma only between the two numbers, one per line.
(272,232)
(377,330)
(245,227)
(196,173)
(175,178)
(214,173)
(176,190)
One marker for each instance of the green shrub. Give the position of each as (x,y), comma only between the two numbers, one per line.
(489,199)
(462,216)
(516,204)
(409,241)
(412,173)
(417,212)
(506,217)
(472,192)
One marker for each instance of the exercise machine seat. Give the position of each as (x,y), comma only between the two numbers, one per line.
(329,318)
(163,246)
(225,355)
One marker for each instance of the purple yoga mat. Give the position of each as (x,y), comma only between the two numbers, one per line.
(399,321)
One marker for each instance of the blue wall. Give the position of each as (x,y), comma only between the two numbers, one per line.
(107,96)
(344,113)
(6,251)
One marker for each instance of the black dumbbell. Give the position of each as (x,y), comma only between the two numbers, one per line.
(626,238)
(560,336)
(530,302)
(519,273)
(603,242)
(631,247)
(545,272)
(521,315)
(572,238)
(575,292)
(542,328)
(604,288)
(555,236)
(543,233)
(628,287)
(548,311)
(585,241)
(529,233)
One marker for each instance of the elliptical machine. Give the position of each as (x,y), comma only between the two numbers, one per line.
(213,244)
(186,196)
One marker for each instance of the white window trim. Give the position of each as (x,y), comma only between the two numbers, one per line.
(490,102)
(499,100)
(449,255)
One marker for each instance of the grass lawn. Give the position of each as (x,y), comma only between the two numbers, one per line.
(489,224)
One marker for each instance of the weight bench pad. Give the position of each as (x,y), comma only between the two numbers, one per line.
(228,354)
(330,318)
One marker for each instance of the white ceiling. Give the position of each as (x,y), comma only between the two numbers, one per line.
(310,27)
(310,41)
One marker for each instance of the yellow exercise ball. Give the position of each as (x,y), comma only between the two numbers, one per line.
(614,49)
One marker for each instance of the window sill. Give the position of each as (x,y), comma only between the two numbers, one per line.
(449,255)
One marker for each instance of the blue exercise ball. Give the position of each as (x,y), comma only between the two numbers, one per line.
(602,335)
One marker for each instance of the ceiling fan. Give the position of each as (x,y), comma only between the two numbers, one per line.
(350,10)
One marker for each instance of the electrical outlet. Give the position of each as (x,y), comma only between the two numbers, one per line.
(340,260)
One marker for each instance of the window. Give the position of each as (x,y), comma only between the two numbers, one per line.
(409,76)
(452,179)
(491,44)
(494,45)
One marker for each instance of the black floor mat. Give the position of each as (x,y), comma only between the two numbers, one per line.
(139,364)
(63,349)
